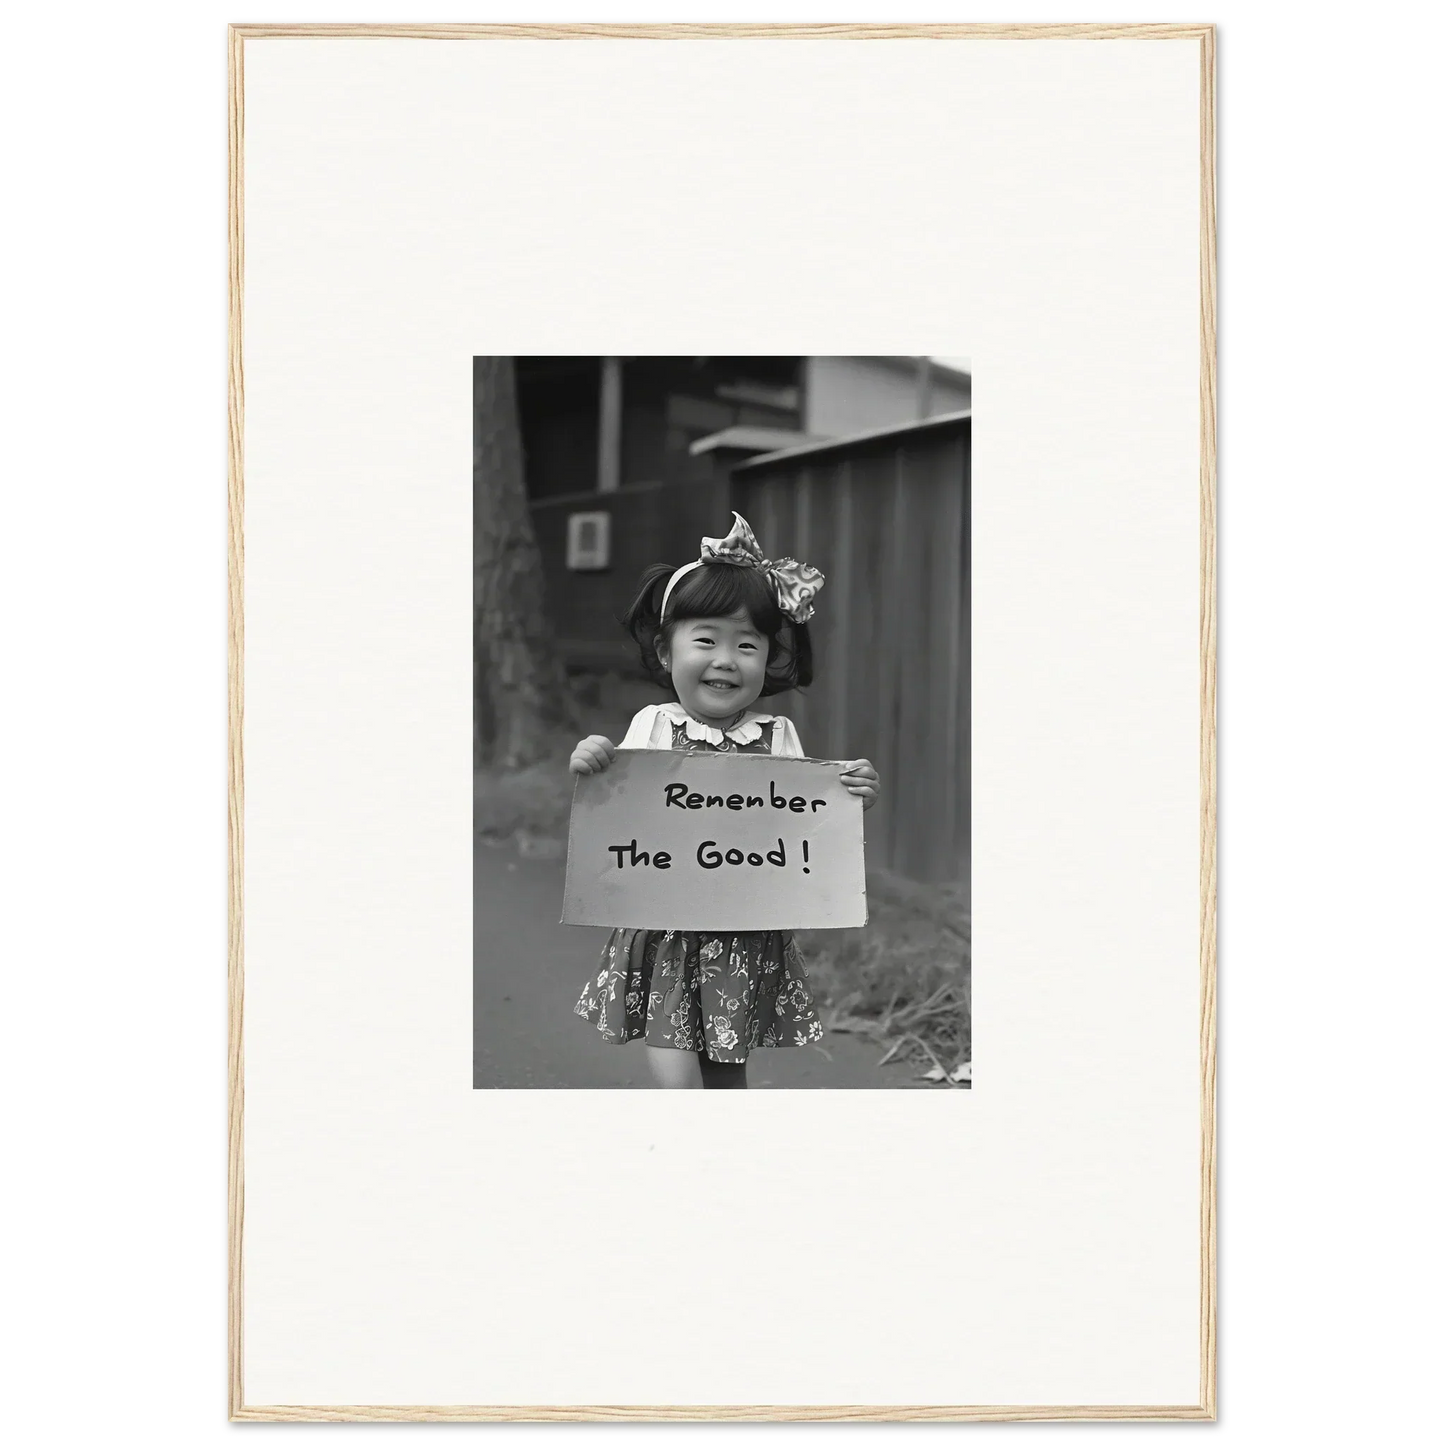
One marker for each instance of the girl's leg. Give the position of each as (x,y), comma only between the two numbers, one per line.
(673,1068)
(722,1076)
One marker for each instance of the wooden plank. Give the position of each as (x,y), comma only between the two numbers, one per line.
(804,708)
(766,526)
(924,720)
(964,829)
(801,545)
(844,661)
(945,484)
(899,642)
(917,793)
(866,694)
(869,688)
(609,425)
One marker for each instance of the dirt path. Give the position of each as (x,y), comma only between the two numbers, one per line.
(529,970)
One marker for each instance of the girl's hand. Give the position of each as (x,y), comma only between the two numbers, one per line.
(591,755)
(861,779)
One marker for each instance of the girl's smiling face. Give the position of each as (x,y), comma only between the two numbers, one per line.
(718,664)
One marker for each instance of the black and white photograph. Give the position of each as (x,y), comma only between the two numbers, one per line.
(721,734)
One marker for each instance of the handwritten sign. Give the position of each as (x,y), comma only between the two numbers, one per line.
(715,842)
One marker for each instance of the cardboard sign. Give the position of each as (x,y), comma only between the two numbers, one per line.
(715,842)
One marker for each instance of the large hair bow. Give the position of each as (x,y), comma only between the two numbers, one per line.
(794,584)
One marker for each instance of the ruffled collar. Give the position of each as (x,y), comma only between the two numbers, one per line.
(749,730)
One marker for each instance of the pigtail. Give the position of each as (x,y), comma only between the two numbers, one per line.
(790,664)
(643,620)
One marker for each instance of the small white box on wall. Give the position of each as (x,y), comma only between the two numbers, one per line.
(589,541)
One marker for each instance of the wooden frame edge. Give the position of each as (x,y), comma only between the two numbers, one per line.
(235,756)
(750,31)
(539,1414)
(1208,732)
(1207,1409)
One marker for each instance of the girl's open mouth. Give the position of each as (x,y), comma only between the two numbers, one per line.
(719,686)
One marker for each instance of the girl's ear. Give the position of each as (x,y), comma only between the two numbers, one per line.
(660,648)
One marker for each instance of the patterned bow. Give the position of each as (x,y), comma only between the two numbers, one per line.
(795,584)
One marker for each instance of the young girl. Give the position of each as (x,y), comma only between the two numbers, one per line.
(718,634)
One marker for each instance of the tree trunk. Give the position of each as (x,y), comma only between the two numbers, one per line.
(520,690)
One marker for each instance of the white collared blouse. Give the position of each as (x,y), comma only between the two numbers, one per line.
(652,728)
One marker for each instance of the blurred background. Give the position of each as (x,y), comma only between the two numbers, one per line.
(588,469)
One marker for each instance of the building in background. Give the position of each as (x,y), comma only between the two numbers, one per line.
(846,395)
(602,423)
(629,460)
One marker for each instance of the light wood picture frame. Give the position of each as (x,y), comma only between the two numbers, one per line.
(243,1404)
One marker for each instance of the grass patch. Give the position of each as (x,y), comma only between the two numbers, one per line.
(904,980)
(525,802)
(530,805)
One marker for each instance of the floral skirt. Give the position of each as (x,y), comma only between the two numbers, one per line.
(718,993)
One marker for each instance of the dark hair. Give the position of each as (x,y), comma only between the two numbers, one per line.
(717,589)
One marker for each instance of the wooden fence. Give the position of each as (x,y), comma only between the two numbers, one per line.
(886,518)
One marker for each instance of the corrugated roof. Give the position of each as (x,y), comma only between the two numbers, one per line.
(942,422)
(752,439)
